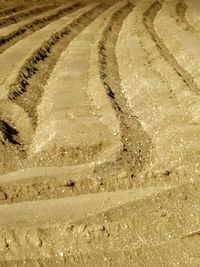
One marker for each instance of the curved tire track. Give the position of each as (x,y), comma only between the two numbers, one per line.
(81,185)
(162,102)
(134,154)
(24,14)
(28,66)
(10,35)
(13,9)
(23,88)
(181,11)
(105,175)
(148,19)
(112,228)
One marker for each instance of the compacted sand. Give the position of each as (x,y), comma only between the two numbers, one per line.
(100,133)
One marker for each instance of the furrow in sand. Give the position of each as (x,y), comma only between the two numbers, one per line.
(181,9)
(105,69)
(192,14)
(71,109)
(95,176)
(32,11)
(152,225)
(11,34)
(26,64)
(101,222)
(148,20)
(178,41)
(166,107)
(25,90)
(170,169)
(12,9)
(181,16)
(136,144)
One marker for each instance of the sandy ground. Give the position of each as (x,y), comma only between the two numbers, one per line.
(99,133)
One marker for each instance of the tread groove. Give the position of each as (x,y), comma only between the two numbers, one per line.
(148,20)
(38,23)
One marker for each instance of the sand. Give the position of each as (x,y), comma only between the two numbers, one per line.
(99,133)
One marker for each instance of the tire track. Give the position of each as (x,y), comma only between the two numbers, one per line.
(181,9)
(192,14)
(148,20)
(10,35)
(27,90)
(24,14)
(11,10)
(125,224)
(106,176)
(40,72)
(76,136)
(160,223)
(136,148)
(162,102)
